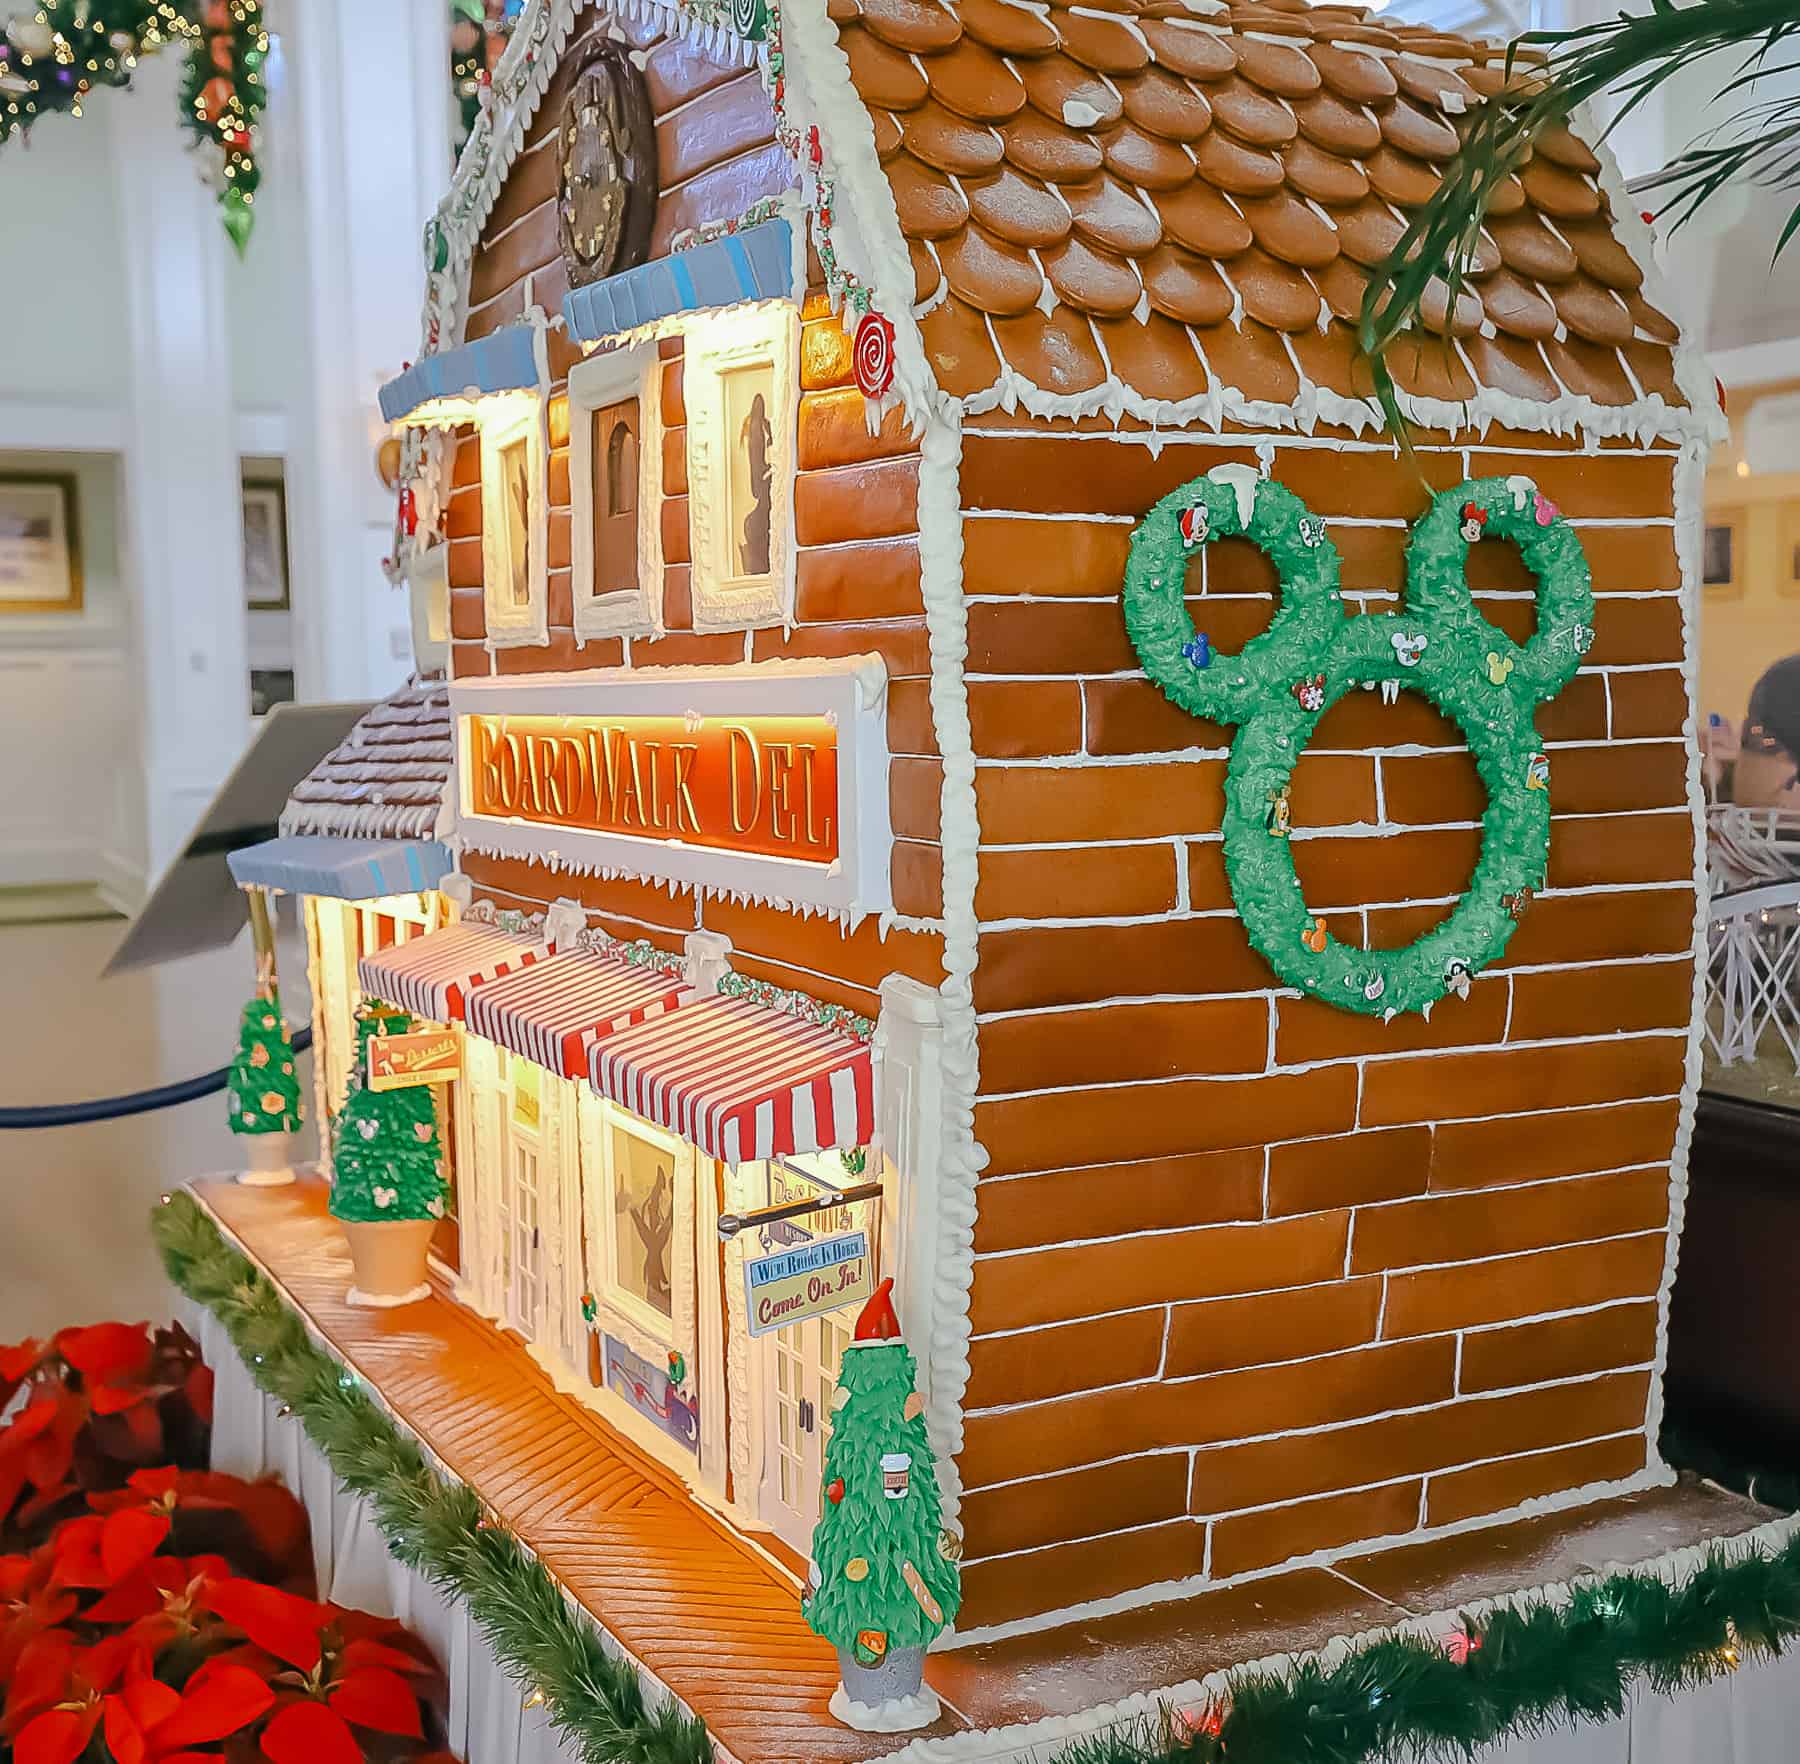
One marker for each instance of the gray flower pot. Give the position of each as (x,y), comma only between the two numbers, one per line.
(899,1675)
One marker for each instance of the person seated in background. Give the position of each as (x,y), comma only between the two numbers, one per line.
(1767,774)
(1718,756)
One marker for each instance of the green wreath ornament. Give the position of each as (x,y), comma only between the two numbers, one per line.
(1283,681)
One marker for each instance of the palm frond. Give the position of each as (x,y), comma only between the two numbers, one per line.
(1552,74)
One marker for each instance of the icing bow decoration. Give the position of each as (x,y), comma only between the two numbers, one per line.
(1283,681)
(873,355)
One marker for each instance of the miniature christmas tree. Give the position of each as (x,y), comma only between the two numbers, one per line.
(884,1567)
(388,1164)
(264,1087)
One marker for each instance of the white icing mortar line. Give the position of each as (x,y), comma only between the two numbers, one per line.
(1040,1739)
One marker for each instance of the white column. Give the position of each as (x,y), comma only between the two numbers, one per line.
(370,86)
(183,537)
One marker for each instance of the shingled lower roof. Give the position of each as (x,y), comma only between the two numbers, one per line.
(386,779)
(1169,199)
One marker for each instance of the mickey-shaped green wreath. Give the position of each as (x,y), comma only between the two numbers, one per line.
(1312,654)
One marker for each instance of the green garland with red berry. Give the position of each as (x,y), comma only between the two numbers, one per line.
(53,59)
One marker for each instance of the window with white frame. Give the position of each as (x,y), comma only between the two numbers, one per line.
(739,387)
(615,470)
(514,521)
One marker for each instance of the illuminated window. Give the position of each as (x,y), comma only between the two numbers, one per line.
(615,471)
(739,388)
(514,523)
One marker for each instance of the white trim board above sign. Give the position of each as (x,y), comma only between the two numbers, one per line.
(768,780)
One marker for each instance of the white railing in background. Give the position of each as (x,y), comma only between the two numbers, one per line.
(1753,935)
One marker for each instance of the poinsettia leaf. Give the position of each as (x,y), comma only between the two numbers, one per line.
(20,1360)
(310,1733)
(12,1480)
(144,1432)
(128,1540)
(198,1389)
(40,1677)
(372,1696)
(124,1731)
(287,1626)
(374,1653)
(114,1399)
(229,1699)
(32,1420)
(16,1576)
(150,1700)
(99,1667)
(58,1736)
(155,1484)
(150,1635)
(31,1511)
(137,1595)
(106,1351)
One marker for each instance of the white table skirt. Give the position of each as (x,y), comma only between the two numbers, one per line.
(1749,1717)
(488,1722)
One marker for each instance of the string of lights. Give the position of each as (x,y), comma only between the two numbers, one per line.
(52,60)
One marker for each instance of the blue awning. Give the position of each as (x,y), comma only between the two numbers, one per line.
(756,264)
(505,361)
(341,869)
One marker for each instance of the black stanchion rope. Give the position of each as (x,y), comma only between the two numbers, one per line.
(138,1102)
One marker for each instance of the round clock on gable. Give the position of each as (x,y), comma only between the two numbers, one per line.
(606,183)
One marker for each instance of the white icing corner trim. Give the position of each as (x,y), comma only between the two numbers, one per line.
(947,626)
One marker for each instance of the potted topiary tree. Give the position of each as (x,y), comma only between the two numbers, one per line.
(387,1188)
(884,1580)
(263,1085)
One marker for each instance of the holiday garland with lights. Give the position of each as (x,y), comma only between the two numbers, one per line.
(53,58)
(1518,1670)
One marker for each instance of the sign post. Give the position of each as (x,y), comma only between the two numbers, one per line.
(398,1062)
(794,1284)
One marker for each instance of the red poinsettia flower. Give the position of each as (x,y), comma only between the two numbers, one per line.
(286,1626)
(30,1603)
(275,1520)
(163,1601)
(149,1723)
(93,1551)
(37,1449)
(57,1676)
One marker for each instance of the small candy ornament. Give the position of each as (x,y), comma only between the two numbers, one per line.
(873,355)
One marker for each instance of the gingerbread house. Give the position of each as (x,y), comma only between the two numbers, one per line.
(915,520)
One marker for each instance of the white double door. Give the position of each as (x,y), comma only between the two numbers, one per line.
(800,1369)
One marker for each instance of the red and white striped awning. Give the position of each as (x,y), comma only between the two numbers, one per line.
(557,1010)
(741,1081)
(434,976)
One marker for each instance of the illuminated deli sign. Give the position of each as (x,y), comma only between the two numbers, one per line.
(769,780)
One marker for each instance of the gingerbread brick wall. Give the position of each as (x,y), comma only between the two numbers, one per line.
(1256,1277)
(856,527)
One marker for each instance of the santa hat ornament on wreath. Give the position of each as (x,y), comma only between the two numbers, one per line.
(884,1581)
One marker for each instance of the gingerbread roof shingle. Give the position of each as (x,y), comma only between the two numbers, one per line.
(1164,200)
(386,779)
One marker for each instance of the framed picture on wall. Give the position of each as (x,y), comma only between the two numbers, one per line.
(1788,577)
(40,547)
(265,547)
(1722,555)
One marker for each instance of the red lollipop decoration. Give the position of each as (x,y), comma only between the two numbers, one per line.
(874,355)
